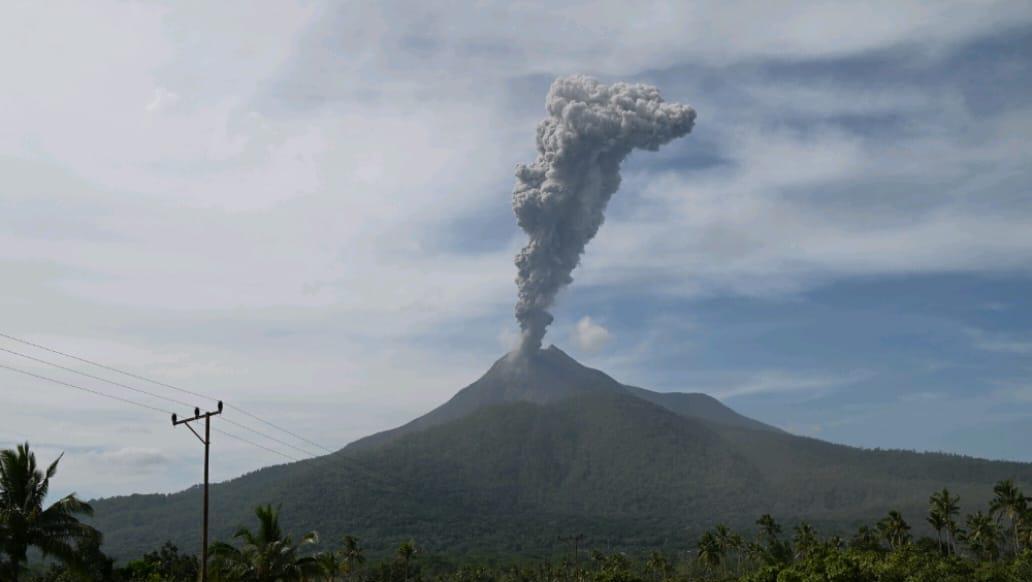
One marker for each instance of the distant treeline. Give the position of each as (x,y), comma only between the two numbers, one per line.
(993,544)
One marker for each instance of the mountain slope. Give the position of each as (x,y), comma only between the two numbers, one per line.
(551,375)
(544,446)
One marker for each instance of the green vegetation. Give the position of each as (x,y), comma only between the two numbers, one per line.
(987,550)
(265,554)
(24,523)
(993,546)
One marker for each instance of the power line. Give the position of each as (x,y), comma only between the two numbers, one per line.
(84,389)
(271,438)
(99,365)
(73,370)
(166,385)
(141,391)
(250,442)
(134,403)
(297,436)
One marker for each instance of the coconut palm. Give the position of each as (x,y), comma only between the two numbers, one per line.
(770,528)
(894,529)
(343,563)
(728,541)
(658,566)
(805,539)
(983,536)
(866,539)
(24,523)
(352,555)
(330,565)
(404,553)
(947,506)
(710,554)
(266,555)
(1010,502)
(938,523)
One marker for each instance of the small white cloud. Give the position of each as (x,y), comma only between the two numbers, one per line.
(590,336)
(163,100)
(137,458)
(1000,343)
(779,382)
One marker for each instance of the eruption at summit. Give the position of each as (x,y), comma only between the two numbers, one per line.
(560,199)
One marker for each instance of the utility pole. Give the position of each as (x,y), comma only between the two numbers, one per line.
(206,441)
(576,539)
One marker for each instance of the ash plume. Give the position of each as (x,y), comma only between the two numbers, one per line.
(560,199)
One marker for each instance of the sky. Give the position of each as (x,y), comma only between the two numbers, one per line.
(304,209)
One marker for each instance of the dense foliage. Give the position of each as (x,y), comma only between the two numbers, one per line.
(25,523)
(988,546)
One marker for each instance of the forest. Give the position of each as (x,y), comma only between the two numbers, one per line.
(48,542)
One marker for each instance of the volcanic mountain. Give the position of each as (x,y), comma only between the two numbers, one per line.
(542,445)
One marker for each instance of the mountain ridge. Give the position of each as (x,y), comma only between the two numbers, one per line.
(548,445)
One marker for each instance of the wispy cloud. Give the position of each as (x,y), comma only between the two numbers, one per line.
(141,459)
(781,382)
(1000,342)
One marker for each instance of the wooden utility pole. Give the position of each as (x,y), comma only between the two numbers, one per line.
(576,539)
(206,441)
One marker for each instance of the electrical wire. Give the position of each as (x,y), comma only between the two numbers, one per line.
(84,389)
(74,371)
(250,442)
(165,385)
(141,391)
(139,404)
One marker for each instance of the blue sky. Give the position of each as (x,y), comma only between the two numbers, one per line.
(304,208)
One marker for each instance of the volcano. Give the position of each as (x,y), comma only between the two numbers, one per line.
(548,376)
(541,445)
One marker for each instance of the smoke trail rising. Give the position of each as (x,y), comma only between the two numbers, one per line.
(560,199)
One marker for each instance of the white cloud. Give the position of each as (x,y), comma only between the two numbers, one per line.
(621,38)
(1000,342)
(141,459)
(590,336)
(780,382)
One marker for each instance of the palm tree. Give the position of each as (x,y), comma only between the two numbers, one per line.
(983,536)
(266,554)
(55,531)
(773,551)
(865,539)
(947,506)
(330,565)
(405,552)
(1010,502)
(770,528)
(805,539)
(710,554)
(895,529)
(938,523)
(352,554)
(343,563)
(728,541)
(658,566)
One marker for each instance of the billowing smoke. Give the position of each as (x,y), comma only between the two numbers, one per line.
(559,200)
